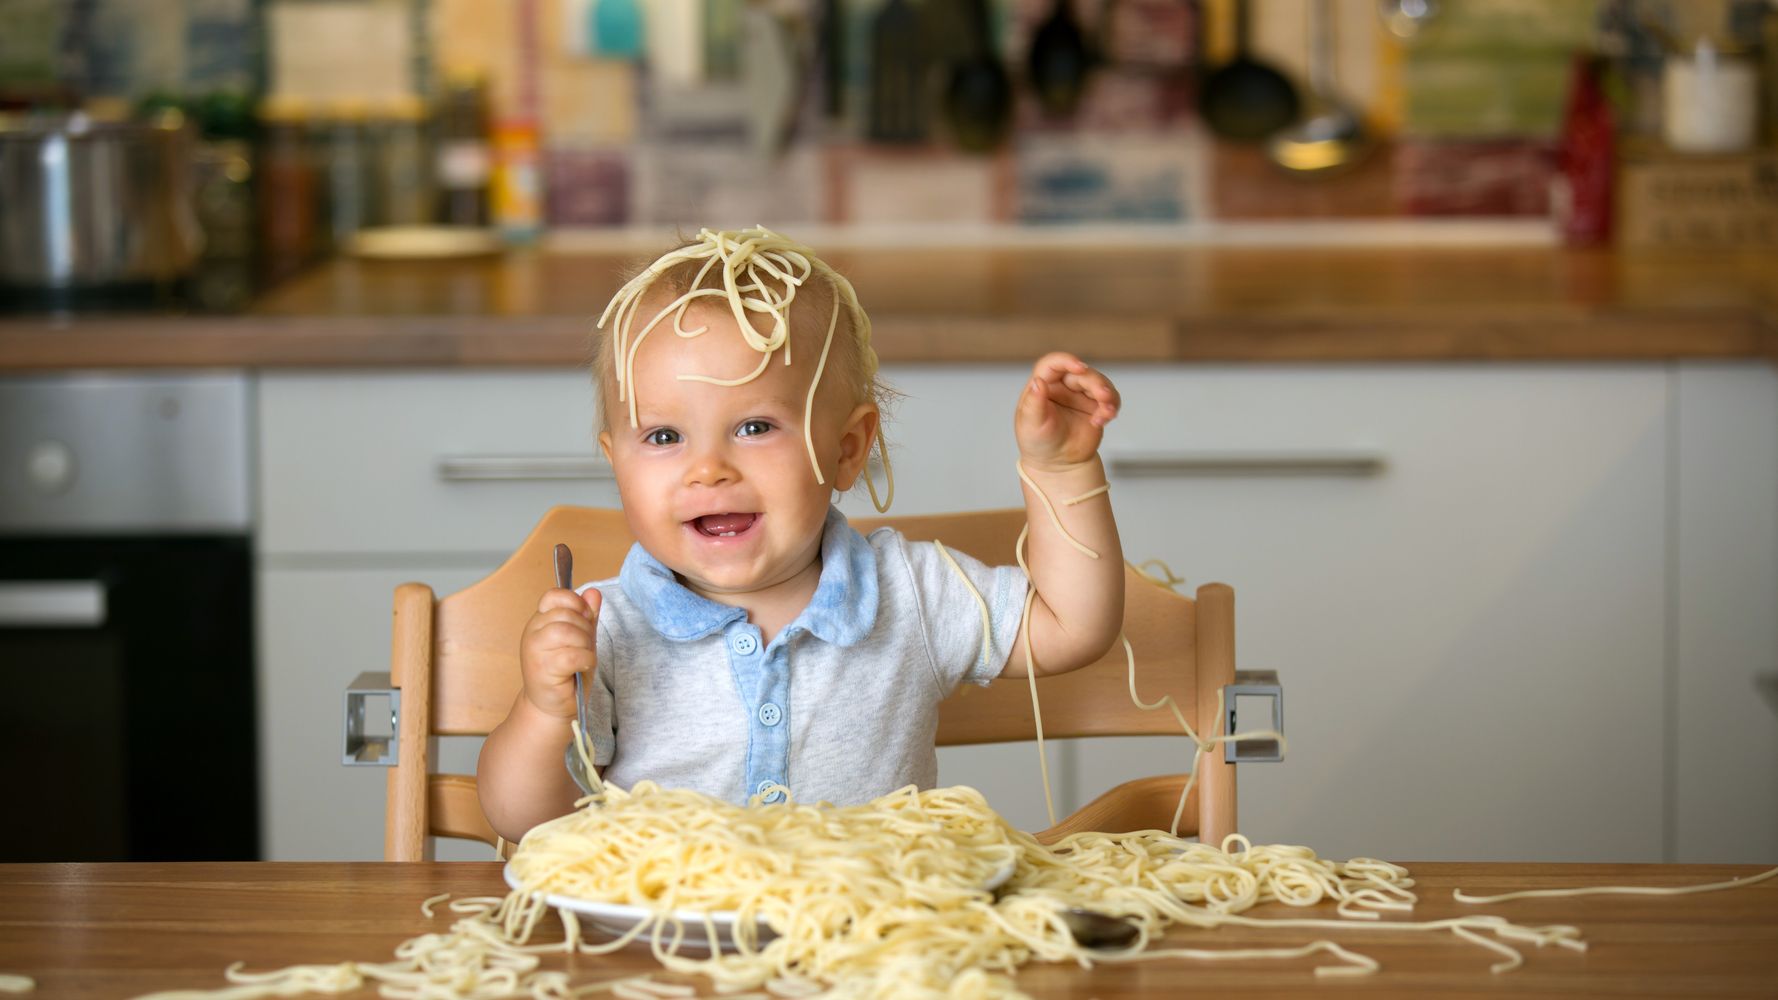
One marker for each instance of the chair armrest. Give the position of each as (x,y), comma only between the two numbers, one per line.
(1142,804)
(1253,684)
(364,747)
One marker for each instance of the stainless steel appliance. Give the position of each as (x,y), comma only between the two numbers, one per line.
(87,204)
(127,727)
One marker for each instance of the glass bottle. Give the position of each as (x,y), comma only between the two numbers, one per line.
(404,175)
(289,189)
(464,160)
(351,184)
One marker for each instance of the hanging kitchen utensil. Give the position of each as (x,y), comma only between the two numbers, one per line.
(1245,99)
(833,58)
(1059,61)
(1406,18)
(978,95)
(897,76)
(1330,137)
(772,74)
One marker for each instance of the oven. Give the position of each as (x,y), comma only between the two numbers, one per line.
(126,647)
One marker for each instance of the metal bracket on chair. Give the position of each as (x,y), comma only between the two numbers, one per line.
(1253,684)
(364,748)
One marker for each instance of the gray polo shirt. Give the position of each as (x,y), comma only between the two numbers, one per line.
(841,706)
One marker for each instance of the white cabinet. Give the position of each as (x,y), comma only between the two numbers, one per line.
(319,627)
(1723,688)
(417,464)
(368,481)
(1473,639)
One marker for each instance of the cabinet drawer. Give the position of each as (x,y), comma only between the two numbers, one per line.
(433,462)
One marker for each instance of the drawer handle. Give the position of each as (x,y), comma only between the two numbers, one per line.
(1344,463)
(520,468)
(52,604)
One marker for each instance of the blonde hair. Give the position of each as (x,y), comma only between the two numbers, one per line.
(758,275)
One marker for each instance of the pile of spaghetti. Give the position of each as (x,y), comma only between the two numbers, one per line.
(893,898)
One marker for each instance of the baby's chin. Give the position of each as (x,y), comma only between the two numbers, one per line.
(731,586)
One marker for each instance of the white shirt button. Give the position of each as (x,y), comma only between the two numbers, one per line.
(770,714)
(765,784)
(744,644)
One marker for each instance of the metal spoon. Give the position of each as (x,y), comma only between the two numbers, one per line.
(1099,930)
(565,580)
(1329,137)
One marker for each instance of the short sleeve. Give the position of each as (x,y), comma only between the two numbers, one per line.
(953,616)
(597,699)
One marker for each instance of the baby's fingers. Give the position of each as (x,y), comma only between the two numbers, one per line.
(559,598)
(1102,397)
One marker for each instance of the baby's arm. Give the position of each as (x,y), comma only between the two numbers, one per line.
(1079,606)
(520,775)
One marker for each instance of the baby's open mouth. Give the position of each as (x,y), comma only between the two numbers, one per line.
(724,525)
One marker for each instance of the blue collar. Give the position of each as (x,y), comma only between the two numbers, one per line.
(842,610)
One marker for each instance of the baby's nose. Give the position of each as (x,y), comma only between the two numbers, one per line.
(710,468)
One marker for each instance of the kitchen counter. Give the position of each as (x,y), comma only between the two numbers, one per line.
(1166,303)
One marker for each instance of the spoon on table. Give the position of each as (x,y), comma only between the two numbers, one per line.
(1090,928)
(1093,929)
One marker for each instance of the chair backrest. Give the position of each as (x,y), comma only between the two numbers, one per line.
(454,661)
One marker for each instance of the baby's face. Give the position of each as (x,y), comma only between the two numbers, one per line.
(715,480)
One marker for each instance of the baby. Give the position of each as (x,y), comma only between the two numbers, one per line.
(753,638)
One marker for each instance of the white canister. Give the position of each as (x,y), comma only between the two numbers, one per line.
(1710,100)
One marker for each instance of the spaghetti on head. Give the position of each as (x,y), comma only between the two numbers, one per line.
(786,303)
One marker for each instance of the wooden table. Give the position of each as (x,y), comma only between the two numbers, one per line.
(117,930)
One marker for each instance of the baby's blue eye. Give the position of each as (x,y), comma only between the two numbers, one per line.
(750,428)
(660,437)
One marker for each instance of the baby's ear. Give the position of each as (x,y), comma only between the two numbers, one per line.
(857,436)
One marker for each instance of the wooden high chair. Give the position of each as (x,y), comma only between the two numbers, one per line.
(454,672)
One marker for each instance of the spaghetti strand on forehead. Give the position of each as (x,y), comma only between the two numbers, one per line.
(758,274)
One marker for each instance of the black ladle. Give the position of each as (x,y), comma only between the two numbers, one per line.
(1245,99)
(978,95)
(1059,61)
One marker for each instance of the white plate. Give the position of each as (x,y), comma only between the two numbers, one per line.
(425,243)
(619,918)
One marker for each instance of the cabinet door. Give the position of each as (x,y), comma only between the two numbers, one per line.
(358,463)
(318,629)
(1726,681)
(950,440)
(1471,636)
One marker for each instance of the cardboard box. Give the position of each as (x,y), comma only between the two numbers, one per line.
(1667,200)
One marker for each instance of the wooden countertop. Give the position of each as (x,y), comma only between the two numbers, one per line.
(1168,303)
(117,930)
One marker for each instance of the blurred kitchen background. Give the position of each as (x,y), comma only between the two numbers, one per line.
(1447,332)
(313,121)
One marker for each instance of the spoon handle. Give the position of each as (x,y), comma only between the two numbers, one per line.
(565,580)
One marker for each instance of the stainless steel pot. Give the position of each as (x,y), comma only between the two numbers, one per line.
(90,204)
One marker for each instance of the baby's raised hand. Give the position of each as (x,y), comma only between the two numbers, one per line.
(1063,411)
(560,641)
